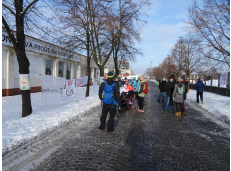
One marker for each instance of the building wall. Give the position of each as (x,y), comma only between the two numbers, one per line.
(10,70)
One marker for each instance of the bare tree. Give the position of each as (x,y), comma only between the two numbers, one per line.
(75,28)
(211,22)
(102,46)
(16,15)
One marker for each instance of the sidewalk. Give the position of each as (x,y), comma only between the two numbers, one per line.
(17,131)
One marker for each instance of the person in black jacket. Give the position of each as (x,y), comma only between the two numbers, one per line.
(162,85)
(169,90)
(111,108)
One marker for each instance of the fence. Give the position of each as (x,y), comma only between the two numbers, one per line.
(217,90)
(216,80)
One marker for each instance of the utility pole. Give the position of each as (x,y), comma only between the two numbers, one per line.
(151,71)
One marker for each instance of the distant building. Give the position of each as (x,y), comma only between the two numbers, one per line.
(122,64)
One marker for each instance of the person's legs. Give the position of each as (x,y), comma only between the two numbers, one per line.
(201,97)
(177,107)
(167,103)
(197,97)
(141,103)
(159,95)
(110,123)
(183,107)
(103,117)
(170,104)
(180,107)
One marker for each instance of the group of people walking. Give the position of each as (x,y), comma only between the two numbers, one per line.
(176,91)
(109,94)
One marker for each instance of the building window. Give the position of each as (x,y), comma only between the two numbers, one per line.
(68,70)
(61,64)
(49,67)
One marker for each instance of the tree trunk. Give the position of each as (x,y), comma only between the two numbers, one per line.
(116,65)
(101,71)
(22,58)
(88,53)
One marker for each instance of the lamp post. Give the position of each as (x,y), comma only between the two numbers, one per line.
(181,42)
(151,71)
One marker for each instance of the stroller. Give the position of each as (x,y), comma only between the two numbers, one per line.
(125,97)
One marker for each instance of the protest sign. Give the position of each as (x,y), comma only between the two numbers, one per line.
(223,79)
(70,88)
(81,81)
(52,89)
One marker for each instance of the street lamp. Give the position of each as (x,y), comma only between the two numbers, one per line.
(151,71)
(181,42)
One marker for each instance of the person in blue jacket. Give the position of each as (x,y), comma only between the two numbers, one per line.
(200,88)
(134,82)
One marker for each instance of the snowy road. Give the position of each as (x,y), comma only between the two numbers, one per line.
(141,141)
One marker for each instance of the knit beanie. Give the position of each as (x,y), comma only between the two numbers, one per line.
(183,77)
(110,75)
(179,79)
(130,83)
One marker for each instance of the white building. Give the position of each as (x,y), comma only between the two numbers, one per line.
(44,58)
(122,64)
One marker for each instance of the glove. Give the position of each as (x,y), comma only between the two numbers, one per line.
(118,115)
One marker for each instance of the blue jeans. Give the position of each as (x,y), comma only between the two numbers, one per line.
(168,104)
(161,94)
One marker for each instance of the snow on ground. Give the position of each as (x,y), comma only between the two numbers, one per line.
(16,130)
(217,104)
(214,103)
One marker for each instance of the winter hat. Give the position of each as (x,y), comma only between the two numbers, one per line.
(164,78)
(183,77)
(134,78)
(130,83)
(110,75)
(179,79)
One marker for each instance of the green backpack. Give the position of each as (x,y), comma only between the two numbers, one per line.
(180,90)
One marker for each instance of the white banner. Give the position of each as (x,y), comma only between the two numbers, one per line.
(223,79)
(95,82)
(24,82)
(52,89)
(81,81)
(70,88)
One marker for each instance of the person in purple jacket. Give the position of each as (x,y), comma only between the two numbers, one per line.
(200,88)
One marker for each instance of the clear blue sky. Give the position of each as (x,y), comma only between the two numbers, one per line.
(165,25)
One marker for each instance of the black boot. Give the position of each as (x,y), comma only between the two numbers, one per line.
(101,128)
(159,100)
